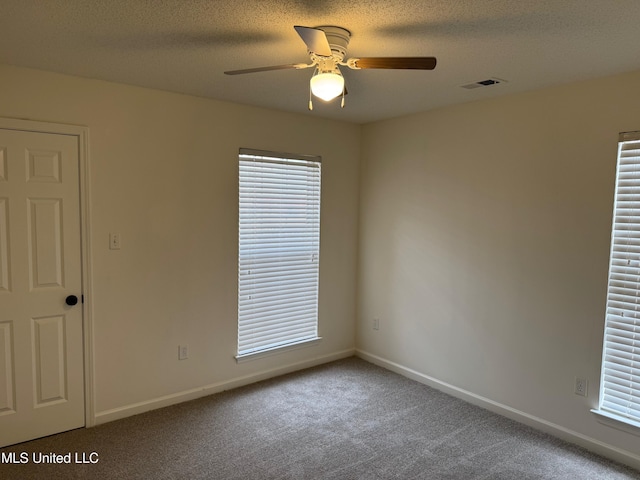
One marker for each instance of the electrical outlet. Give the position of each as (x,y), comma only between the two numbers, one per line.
(581,387)
(376,324)
(183,352)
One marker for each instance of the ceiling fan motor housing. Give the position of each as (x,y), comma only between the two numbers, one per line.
(338,39)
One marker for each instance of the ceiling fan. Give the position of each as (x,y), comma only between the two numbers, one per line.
(327,46)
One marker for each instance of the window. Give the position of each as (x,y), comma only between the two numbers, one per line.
(279,248)
(620,383)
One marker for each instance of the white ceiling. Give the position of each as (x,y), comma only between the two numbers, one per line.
(185,45)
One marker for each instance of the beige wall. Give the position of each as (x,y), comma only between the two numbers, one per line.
(484,242)
(164,175)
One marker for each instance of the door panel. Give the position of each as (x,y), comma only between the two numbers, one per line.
(44,240)
(50,375)
(4,245)
(7,386)
(41,349)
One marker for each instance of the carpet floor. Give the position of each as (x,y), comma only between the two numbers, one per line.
(344,420)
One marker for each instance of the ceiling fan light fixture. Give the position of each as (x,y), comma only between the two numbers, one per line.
(327,46)
(327,85)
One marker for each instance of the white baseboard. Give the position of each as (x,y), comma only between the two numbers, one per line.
(192,394)
(596,446)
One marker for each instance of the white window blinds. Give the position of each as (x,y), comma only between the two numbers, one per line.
(279,247)
(620,387)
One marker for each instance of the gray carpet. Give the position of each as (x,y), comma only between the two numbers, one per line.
(344,420)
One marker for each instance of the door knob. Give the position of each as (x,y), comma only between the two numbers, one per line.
(71,300)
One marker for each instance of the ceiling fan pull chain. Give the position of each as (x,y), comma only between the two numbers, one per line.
(342,103)
(310,102)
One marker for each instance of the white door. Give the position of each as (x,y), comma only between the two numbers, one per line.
(41,343)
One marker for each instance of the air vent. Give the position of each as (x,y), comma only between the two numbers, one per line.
(484,83)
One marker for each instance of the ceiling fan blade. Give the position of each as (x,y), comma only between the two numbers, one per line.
(315,40)
(266,69)
(409,63)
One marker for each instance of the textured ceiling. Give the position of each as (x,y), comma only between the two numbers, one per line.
(185,45)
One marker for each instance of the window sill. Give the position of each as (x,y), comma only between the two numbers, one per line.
(617,422)
(245,357)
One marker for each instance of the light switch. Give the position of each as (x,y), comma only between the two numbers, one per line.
(114,241)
